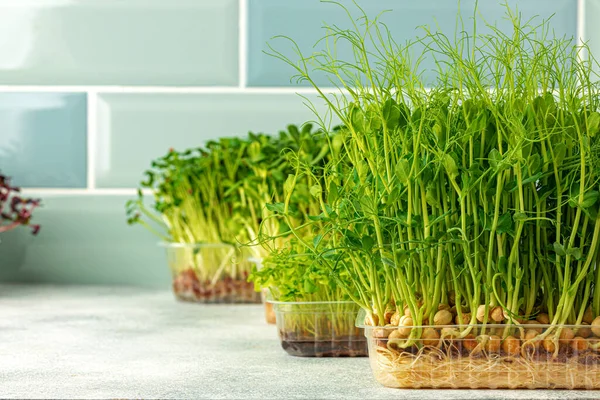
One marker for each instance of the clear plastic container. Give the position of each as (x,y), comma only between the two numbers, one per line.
(210,273)
(269,312)
(319,329)
(483,359)
(270,316)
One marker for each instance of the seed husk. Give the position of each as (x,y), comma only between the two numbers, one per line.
(497,314)
(511,346)
(466,318)
(405,326)
(442,317)
(566,335)
(372,320)
(549,344)
(585,332)
(394,339)
(543,319)
(430,337)
(469,342)
(596,326)
(493,344)
(579,344)
(534,328)
(395,334)
(531,334)
(452,297)
(395,319)
(382,333)
(588,316)
(594,344)
(388,316)
(481,314)
(449,332)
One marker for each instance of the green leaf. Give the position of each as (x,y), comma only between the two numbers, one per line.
(333,194)
(387,261)
(316,240)
(368,242)
(495,159)
(593,123)
(357,119)
(590,198)
(505,224)
(575,252)
(320,217)
(532,179)
(289,184)
(502,264)
(559,249)
(315,191)
(560,150)
(391,114)
(519,216)
(430,197)
(309,286)
(276,207)
(535,163)
(403,171)
(450,166)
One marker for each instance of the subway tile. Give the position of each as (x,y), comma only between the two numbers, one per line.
(115,42)
(43,139)
(303,21)
(592,28)
(136,128)
(83,240)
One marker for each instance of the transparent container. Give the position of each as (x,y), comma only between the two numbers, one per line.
(483,359)
(210,273)
(270,316)
(319,329)
(269,312)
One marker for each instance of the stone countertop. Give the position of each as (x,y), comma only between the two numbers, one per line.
(104,342)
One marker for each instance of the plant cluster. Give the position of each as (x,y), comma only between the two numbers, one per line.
(216,195)
(470,201)
(289,269)
(15,210)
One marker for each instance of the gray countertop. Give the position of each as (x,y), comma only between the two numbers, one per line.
(102,342)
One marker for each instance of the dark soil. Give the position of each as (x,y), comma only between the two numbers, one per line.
(338,346)
(187,287)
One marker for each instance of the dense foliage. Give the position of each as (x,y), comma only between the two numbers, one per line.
(479,192)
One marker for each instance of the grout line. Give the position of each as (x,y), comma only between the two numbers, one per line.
(243,44)
(83,192)
(162,89)
(92,114)
(580,22)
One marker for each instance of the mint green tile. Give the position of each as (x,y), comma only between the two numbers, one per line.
(133,129)
(83,240)
(118,42)
(592,28)
(43,139)
(304,21)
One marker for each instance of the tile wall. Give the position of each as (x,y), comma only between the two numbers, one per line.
(92,90)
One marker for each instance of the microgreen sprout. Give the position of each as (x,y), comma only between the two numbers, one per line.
(475,198)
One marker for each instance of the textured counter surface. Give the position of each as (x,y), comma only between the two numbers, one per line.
(99,342)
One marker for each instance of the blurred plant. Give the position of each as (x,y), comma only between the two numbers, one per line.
(15,210)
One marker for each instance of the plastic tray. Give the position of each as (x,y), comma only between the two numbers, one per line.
(486,358)
(210,273)
(319,329)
